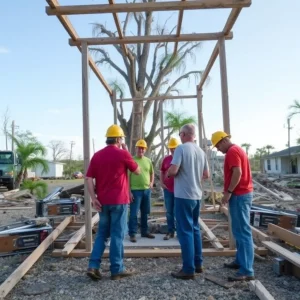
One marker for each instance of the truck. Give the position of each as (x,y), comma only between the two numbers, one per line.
(9,166)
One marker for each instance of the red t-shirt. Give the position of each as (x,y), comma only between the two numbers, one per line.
(165,165)
(109,167)
(236,157)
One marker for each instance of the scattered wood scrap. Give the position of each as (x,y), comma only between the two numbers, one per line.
(288,255)
(219,281)
(285,235)
(213,239)
(19,194)
(16,276)
(261,292)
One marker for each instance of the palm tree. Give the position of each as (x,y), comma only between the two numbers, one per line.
(247,147)
(268,148)
(295,108)
(38,188)
(259,154)
(176,120)
(31,154)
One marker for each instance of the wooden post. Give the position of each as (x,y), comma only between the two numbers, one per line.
(224,85)
(114,101)
(86,144)
(162,129)
(199,108)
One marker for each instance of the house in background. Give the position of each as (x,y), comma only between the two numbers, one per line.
(279,162)
(56,170)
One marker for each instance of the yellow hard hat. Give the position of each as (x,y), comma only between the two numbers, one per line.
(141,144)
(115,131)
(173,143)
(217,136)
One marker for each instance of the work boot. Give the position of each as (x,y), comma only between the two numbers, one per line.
(133,239)
(232,265)
(94,274)
(169,235)
(240,277)
(199,269)
(123,274)
(148,235)
(182,275)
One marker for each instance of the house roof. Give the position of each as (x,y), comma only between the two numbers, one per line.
(294,150)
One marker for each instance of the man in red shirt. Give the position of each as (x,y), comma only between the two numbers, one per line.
(109,168)
(238,193)
(168,186)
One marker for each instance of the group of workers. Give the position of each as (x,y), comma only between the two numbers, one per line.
(116,181)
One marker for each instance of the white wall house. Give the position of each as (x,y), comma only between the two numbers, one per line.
(55,170)
(278,162)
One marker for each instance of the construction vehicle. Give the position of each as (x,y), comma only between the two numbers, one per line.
(9,167)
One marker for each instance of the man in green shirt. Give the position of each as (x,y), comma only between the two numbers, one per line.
(140,186)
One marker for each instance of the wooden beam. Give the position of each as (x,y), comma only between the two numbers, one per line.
(213,239)
(193,37)
(144,253)
(143,7)
(118,25)
(260,291)
(157,98)
(179,24)
(23,268)
(227,28)
(114,98)
(76,238)
(199,110)
(73,34)
(224,86)
(285,235)
(288,255)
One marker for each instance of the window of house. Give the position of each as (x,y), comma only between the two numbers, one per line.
(269,164)
(276,164)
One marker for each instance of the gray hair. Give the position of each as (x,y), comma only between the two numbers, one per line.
(189,129)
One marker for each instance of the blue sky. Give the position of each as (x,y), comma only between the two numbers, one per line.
(40,74)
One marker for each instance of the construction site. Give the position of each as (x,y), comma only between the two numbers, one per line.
(45,243)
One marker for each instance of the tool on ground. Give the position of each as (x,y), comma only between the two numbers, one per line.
(53,205)
(23,237)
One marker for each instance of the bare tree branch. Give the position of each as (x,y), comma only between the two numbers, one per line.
(6,118)
(58,149)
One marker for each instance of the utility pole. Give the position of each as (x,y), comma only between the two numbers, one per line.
(289,144)
(13,136)
(94,145)
(72,143)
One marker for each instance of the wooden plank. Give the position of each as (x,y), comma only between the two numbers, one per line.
(288,255)
(219,281)
(144,253)
(213,239)
(6,194)
(76,238)
(15,208)
(73,34)
(163,213)
(227,28)
(261,292)
(285,235)
(157,98)
(23,268)
(194,37)
(147,6)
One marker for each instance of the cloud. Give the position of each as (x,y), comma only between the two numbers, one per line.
(4,50)
(54,111)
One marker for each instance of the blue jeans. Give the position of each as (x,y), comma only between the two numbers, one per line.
(170,207)
(141,201)
(239,207)
(187,214)
(112,223)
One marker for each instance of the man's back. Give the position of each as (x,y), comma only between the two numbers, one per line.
(192,162)
(109,167)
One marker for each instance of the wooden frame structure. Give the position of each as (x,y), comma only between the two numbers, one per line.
(54,9)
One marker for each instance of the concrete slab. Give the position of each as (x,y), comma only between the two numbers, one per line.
(157,242)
